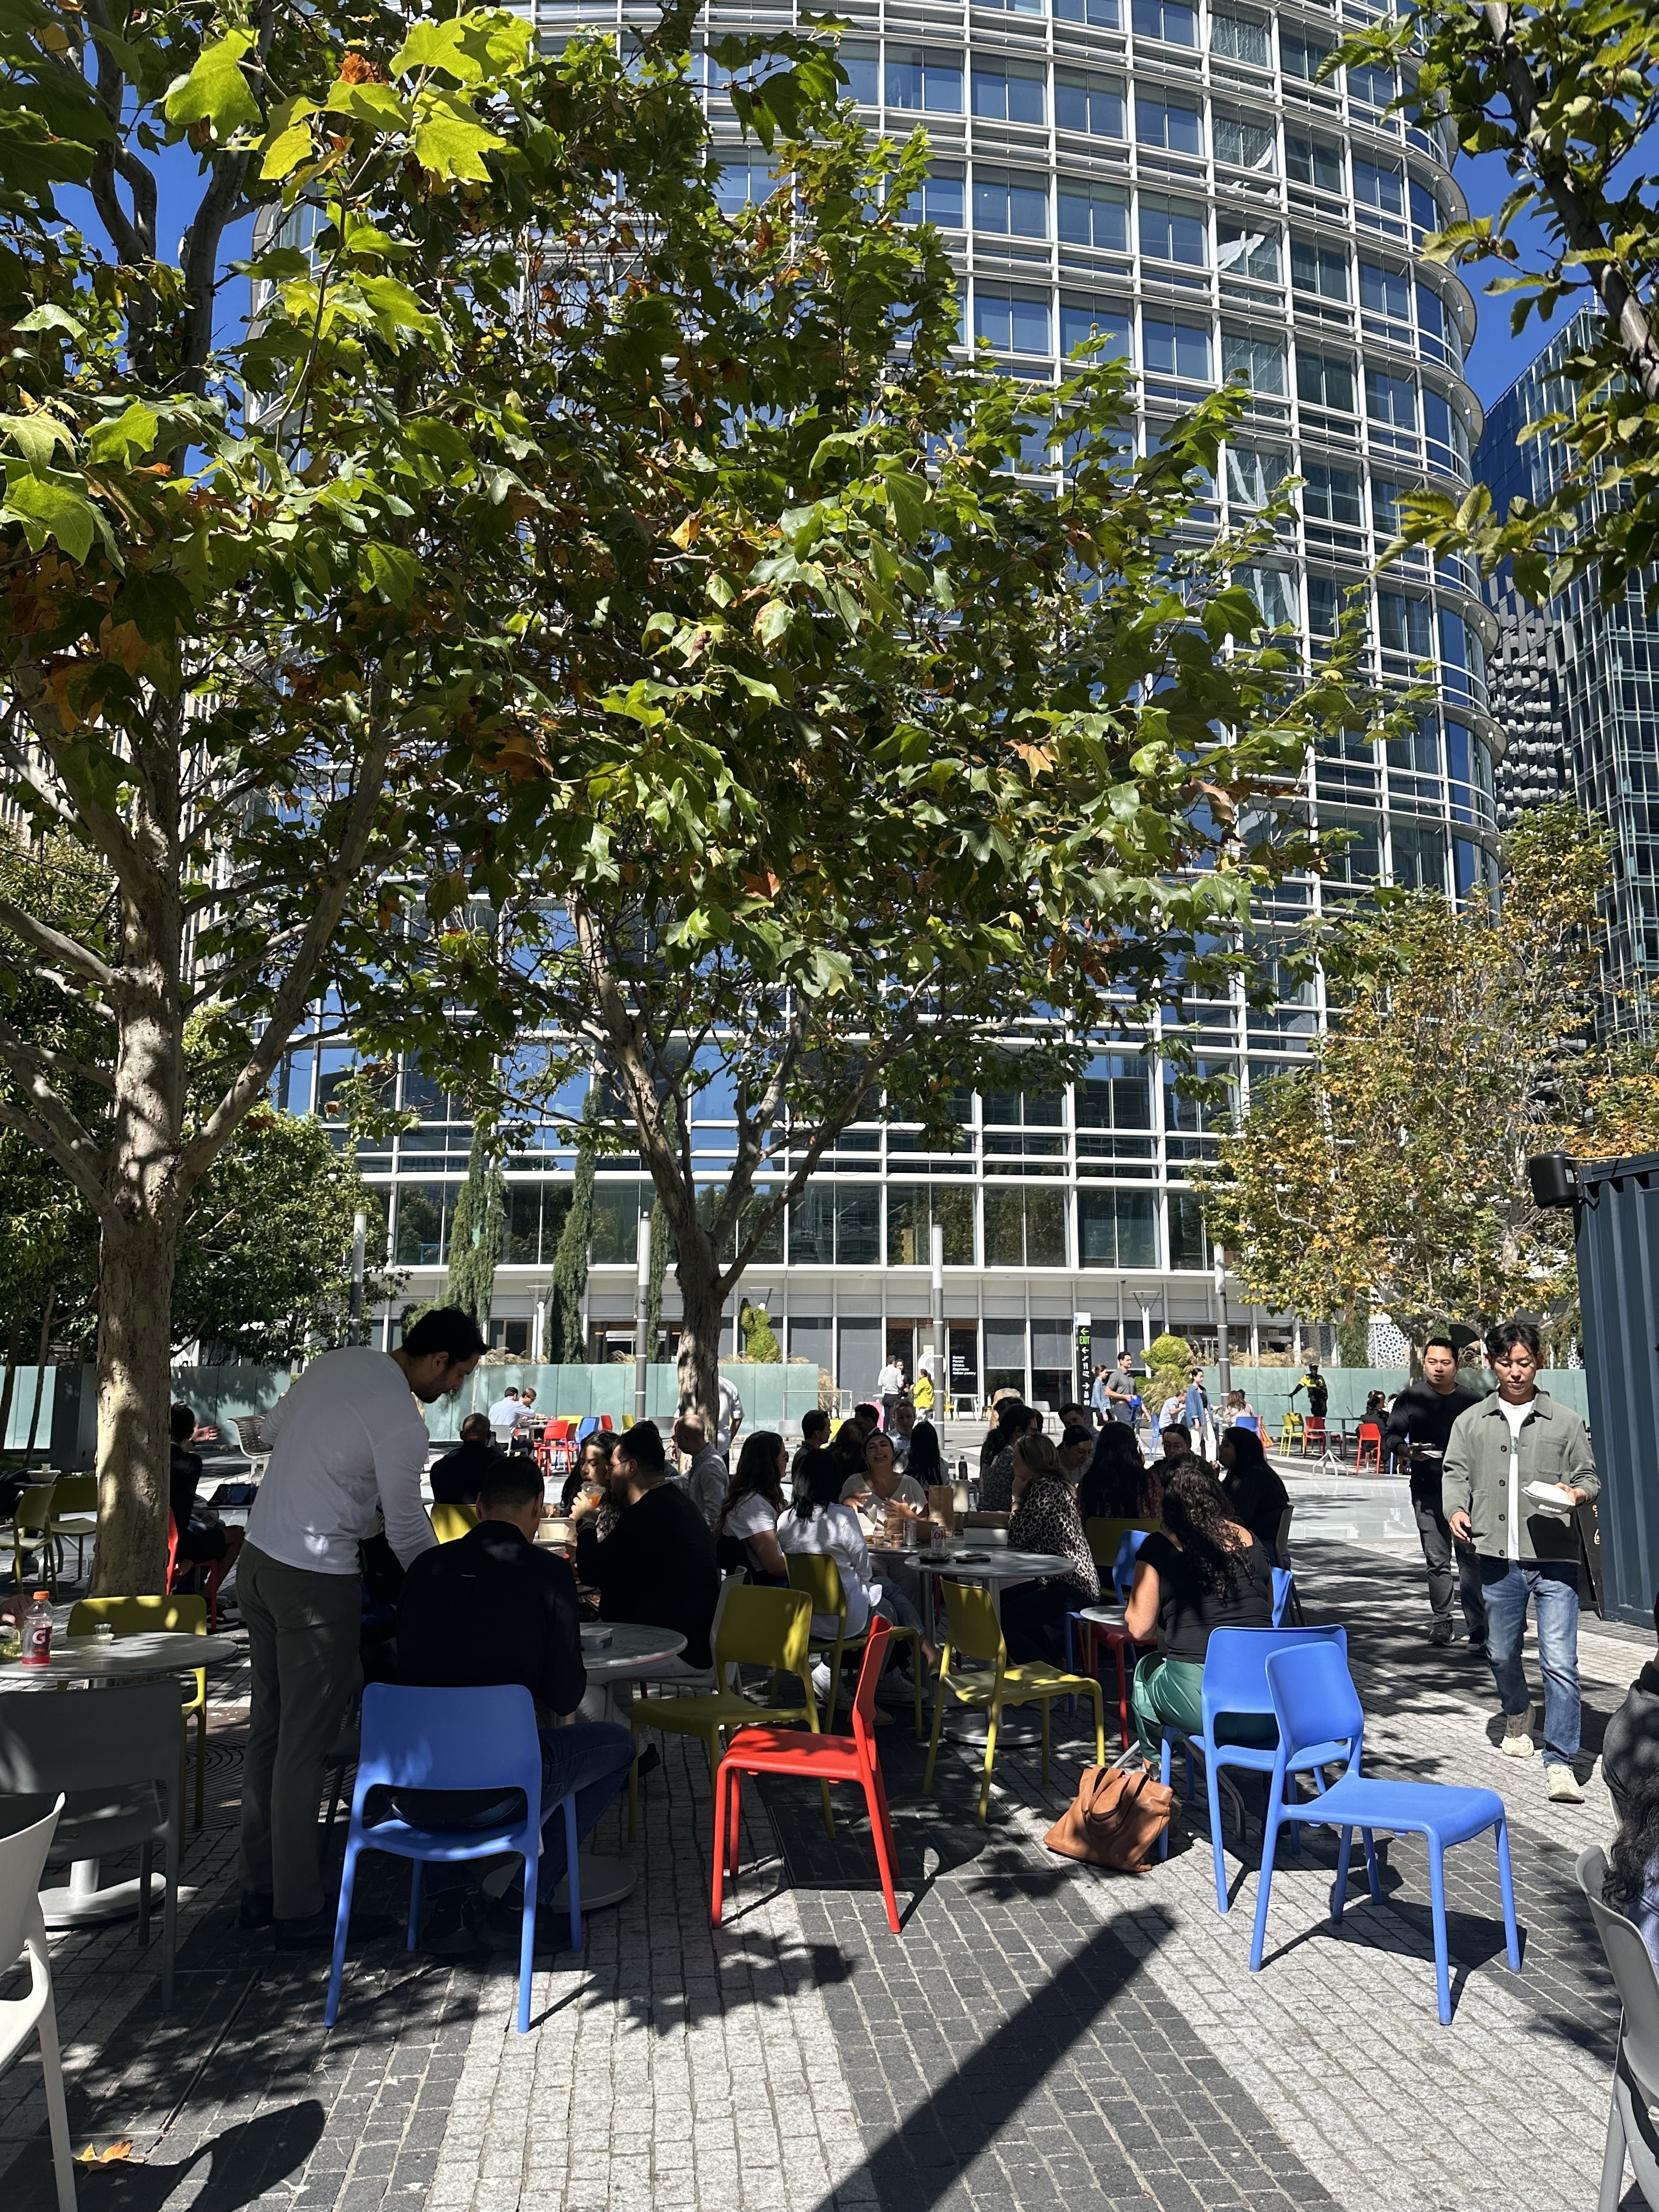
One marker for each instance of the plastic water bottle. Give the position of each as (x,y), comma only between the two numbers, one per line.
(37,1632)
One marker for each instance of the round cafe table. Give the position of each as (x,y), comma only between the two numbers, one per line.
(994,1566)
(108,1662)
(612,1652)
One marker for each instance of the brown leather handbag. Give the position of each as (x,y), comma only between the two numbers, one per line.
(1115,1820)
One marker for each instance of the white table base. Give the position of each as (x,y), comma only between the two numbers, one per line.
(83,1904)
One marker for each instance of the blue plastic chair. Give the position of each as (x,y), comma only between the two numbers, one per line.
(477,1739)
(1248,1421)
(1284,1591)
(1322,1723)
(1236,1687)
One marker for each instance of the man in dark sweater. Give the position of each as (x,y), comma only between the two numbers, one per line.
(495,1608)
(458,1477)
(656,1565)
(1419,1429)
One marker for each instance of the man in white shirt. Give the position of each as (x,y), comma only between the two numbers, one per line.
(507,1411)
(890,1388)
(728,1419)
(347,1443)
(706,1474)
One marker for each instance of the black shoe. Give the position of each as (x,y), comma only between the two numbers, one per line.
(257,1910)
(649,1760)
(317,1933)
(1479,1652)
(1443,1632)
(449,1932)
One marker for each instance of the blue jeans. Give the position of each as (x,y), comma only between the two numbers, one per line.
(1553,1585)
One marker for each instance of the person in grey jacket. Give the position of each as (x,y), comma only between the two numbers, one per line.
(1529,1546)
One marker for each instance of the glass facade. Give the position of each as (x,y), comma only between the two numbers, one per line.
(1577,692)
(1180,179)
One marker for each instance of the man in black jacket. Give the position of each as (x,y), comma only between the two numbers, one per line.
(1629,1749)
(656,1565)
(1419,1429)
(458,1477)
(495,1608)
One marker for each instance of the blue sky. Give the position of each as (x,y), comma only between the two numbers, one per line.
(1496,359)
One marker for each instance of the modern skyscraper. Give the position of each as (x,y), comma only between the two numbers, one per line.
(1574,689)
(1179,177)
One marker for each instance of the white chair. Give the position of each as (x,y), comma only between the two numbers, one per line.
(22,1859)
(113,1761)
(1632,2123)
(250,1434)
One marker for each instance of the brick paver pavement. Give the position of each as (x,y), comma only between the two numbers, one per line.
(1041,2035)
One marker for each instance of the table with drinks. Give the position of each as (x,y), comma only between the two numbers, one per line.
(974,1555)
(46,1660)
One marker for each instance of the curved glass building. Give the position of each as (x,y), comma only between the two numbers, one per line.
(1179,177)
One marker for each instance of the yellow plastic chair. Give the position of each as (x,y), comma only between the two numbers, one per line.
(150,1616)
(1289,1429)
(817,1574)
(1104,1537)
(759,1627)
(31,1531)
(450,1523)
(75,1514)
(976,1634)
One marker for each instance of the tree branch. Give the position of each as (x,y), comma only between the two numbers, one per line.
(48,1123)
(53,945)
(1583,231)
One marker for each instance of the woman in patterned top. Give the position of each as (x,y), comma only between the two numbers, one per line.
(1045,1519)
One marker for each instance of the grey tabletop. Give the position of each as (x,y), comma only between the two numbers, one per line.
(94,1659)
(979,1563)
(630,1646)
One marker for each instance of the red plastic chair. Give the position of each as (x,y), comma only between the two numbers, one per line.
(172,1553)
(823,1758)
(1125,1650)
(1370,1440)
(1313,1432)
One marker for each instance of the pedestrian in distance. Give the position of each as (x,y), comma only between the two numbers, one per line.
(1419,1429)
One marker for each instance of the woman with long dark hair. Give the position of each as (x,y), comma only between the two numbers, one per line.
(1117,1484)
(925,1464)
(1632,1884)
(1255,1492)
(746,1533)
(818,1522)
(1207,1572)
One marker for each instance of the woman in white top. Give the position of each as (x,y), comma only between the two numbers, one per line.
(749,1513)
(818,1522)
(882,1484)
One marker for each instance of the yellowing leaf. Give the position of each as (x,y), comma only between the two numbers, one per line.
(215,91)
(451,141)
(133,431)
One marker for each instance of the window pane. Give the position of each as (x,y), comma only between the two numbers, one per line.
(812,1227)
(1261,363)
(1383,291)
(1251,251)
(1239,38)
(420,1241)
(1246,145)
(524,1223)
(1004,1227)
(1175,349)
(857,1225)
(1189,1246)
(1311,161)
(1045,1228)
(1090,104)
(1102,14)
(1080,320)
(1116,1229)
(1099,220)
(1176,25)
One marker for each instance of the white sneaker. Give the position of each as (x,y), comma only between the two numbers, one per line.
(821,1677)
(1517,1734)
(1563,1785)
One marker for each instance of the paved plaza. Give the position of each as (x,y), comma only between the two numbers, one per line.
(1041,2035)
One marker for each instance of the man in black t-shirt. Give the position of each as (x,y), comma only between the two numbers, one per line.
(1419,1429)
(656,1565)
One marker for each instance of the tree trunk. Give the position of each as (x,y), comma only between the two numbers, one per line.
(135,1380)
(139,1242)
(7,1389)
(40,1371)
(701,1297)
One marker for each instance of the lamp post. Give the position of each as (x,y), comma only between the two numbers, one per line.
(641,1317)
(359,1247)
(941,1364)
(1224,1363)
